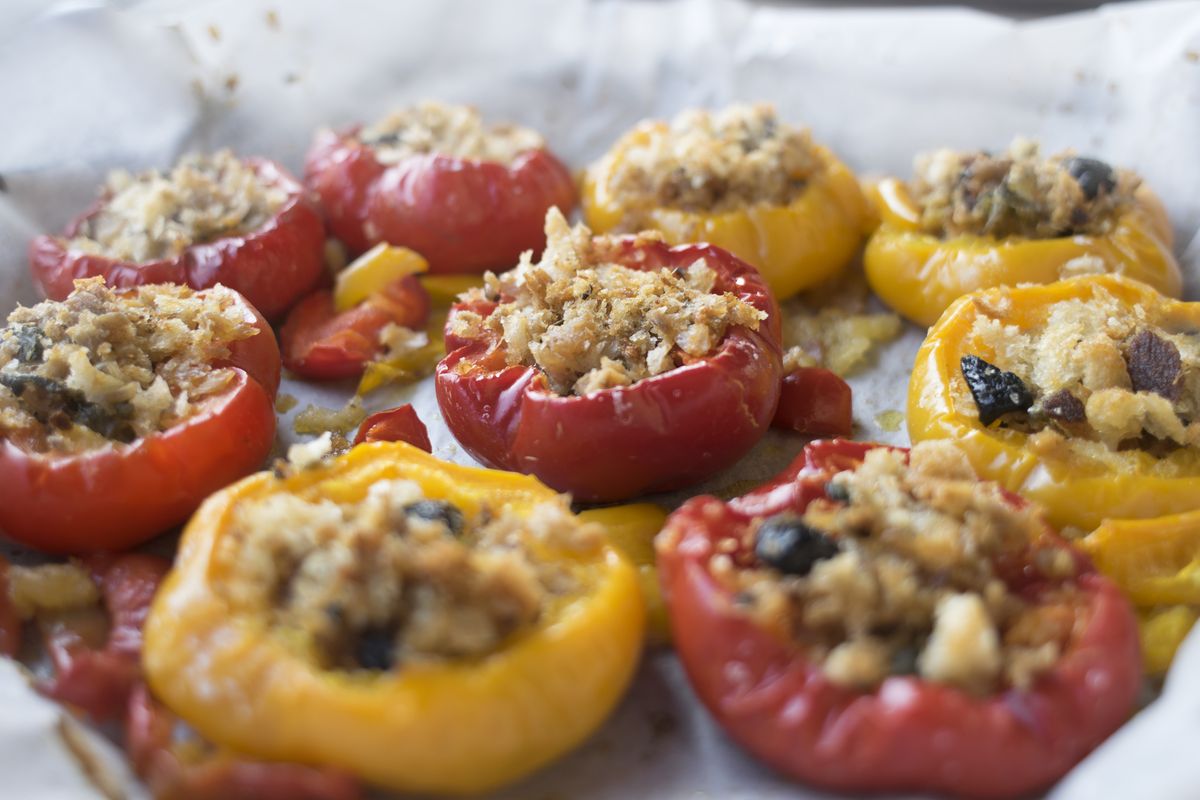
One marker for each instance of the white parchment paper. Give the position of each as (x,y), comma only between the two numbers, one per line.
(86,87)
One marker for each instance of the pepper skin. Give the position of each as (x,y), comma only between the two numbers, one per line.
(908,734)
(272,266)
(815,401)
(1075,492)
(427,727)
(462,214)
(920,275)
(658,434)
(1156,562)
(795,246)
(119,495)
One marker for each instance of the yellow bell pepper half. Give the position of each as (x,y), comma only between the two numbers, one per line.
(1163,631)
(795,246)
(631,529)
(1076,491)
(920,275)
(442,727)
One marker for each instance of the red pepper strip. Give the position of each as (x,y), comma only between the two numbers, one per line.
(10,621)
(816,402)
(98,681)
(149,738)
(400,424)
(321,344)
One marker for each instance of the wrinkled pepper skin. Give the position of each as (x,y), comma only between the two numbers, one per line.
(658,434)
(908,734)
(462,214)
(440,727)
(1124,484)
(273,266)
(114,497)
(795,246)
(920,275)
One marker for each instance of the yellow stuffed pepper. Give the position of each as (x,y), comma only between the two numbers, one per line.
(971,220)
(424,626)
(739,179)
(1083,395)
(1156,562)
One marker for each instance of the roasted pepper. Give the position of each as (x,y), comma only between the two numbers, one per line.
(794,246)
(632,528)
(1076,491)
(272,266)
(919,274)
(770,693)
(656,434)
(1156,562)
(464,213)
(425,725)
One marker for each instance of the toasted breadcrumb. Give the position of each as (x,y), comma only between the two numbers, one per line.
(909,583)
(1018,193)
(1086,349)
(398,577)
(153,215)
(449,130)
(590,324)
(831,326)
(101,367)
(710,161)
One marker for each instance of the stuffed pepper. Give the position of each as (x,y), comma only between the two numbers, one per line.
(120,410)
(613,366)
(739,179)
(1083,395)
(877,620)
(374,317)
(243,223)
(424,626)
(974,220)
(432,177)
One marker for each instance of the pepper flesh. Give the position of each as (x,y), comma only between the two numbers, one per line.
(1125,484)
(430,727)
(794,246)
(920,275)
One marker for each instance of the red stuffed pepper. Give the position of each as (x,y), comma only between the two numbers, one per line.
(614,366)
(121,410)
(246,224)
(876,620)
(466,196)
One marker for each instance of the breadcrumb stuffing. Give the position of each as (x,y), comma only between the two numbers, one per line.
(590,324)
(710,161)
(901,577)
(449,130)
(152,215)
(1103,374)
(832,327)
(100,367)
(398,578)
(1019,193)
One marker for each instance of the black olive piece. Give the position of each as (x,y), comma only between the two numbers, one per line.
(837,492)
(29,343)
(996,392)
(374,648)
(437,511)
(1092,174)
(1154,365)
(109,424)
(785,543)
